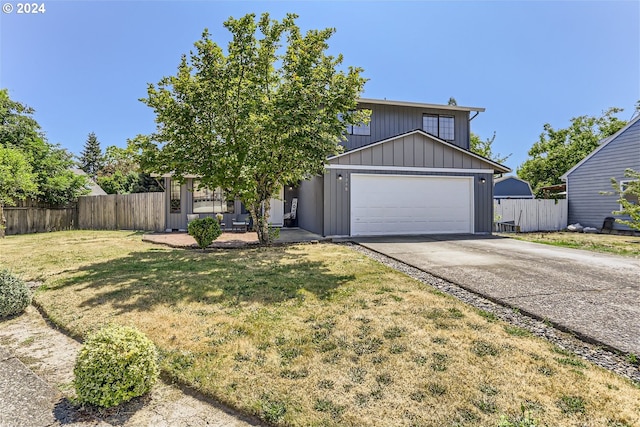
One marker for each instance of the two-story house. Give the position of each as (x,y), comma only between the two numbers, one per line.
(408,171)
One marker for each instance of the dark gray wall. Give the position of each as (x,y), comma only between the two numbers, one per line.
(310,205)
(584,185)
(388,121)
(337,200)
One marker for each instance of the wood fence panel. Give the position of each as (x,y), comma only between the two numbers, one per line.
(533,214)
(139,211)
(26,220)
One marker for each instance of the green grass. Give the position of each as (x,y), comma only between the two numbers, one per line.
(604,243)
(314,335)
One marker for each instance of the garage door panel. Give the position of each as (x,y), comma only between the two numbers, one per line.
(405,204)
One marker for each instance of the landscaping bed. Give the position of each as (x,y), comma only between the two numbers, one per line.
(316,335)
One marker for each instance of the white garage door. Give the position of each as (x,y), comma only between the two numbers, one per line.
(409,204)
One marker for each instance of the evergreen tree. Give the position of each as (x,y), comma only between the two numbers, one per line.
(91,157)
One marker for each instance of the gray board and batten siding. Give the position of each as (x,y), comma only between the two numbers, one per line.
(415,153)
(388,121)
(310,204)
(588,180)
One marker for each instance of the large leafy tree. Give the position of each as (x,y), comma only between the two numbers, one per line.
(17,181)
(483,148)
(120,172)
(51,165)
(256,117)
(91,158)
(558,150)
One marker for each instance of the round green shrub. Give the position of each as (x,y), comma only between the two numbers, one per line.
(14,294)
(204,230)
(115,364)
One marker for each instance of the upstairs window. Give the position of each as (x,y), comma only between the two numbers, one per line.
(361,129)
(441,126)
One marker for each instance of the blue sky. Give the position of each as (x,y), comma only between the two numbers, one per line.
(83,65)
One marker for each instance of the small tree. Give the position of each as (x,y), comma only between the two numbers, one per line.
(91,159)
(265,113)
(16,180)
(629,197)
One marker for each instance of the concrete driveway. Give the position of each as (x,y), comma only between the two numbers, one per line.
(595,295)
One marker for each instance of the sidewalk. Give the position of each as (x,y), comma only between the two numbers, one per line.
(30,395)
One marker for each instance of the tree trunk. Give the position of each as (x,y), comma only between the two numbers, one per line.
(260,214)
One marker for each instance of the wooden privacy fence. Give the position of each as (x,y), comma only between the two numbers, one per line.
(532,214)
(138,211)
(33,219)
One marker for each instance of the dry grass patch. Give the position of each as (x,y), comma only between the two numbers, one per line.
(606,243)
(316,335)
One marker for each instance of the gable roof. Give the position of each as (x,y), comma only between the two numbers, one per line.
(497,167)
(419,105)
(603,144)
(511,186)
(92,186)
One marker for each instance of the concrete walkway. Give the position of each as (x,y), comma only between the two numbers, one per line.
(594,295)
(30,394)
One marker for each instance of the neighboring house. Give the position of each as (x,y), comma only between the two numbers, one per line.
(409,171)
(511,187)
(94,189)
(587,180)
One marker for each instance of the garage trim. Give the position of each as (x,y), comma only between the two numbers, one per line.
(414,222)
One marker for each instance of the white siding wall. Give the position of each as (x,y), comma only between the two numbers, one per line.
(532,214)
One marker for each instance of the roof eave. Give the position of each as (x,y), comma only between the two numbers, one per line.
(603,144)
(419,105)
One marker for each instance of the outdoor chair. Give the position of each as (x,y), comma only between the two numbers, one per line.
(241,223)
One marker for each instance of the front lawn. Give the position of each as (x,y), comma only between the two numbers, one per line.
(606,243)
(313,335)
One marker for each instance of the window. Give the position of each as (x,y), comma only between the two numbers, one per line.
(441,126)
(361,129)
(174,197)
(631,198)
(210,201)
